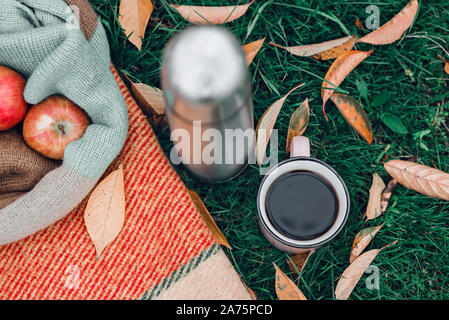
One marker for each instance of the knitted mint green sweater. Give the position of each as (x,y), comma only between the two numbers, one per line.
(43,40)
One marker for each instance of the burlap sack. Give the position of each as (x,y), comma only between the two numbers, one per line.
(20,167)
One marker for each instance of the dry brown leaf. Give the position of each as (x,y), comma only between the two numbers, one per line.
(335,52)
(423,179)
(359,24)
(266,123)
(386,195)
(251,49)
(151,101)
(211,15)
(105,211)
(251,292)
(322,51)
(373,209)
(361,241)
(133,17)
(286,289)
(339,70)
(298,123)
(299,262)
(354,115)
(393,29)
(216,232)
(354,272)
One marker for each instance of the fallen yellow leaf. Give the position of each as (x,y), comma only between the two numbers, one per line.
(423,179)
(133,17)
(286,289)
(298,123)
(374,209)
(354,272)
(299,262)
(339,70)
(361,241)
(210,14)
(216,232)
(266,124)
(251,292)
(151,100)
(359,24)
(354,115)
(324,50)
(393,29)
(104,216)
(251,49)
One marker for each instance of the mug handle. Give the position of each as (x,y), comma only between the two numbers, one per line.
(300,147)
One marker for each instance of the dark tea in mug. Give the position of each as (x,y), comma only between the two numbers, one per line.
(302,202)
(301,205)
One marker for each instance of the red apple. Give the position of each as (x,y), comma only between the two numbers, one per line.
(12,104)
(51,125)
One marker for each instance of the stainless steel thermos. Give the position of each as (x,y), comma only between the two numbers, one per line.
(209,103)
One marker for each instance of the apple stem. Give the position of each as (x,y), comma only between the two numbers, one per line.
(61,128)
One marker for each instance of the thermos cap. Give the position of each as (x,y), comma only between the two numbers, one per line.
(204,74)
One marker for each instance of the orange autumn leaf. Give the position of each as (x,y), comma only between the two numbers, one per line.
(286,289)
(251,49)
(133,17)
(210,14)
(297,262)
(335,52)
(393,29)
(104,216)
(216,232)
(339,70)
(374,208)
(423,179)
(324,50)
(361,241)
(151,100)
(298,123)
(266,125)
(359,24)
(354,115)
(354,272)
(251,292)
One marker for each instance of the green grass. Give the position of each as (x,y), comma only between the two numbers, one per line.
(417,267)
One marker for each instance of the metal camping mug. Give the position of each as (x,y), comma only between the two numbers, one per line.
(300,161)
(209,103)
